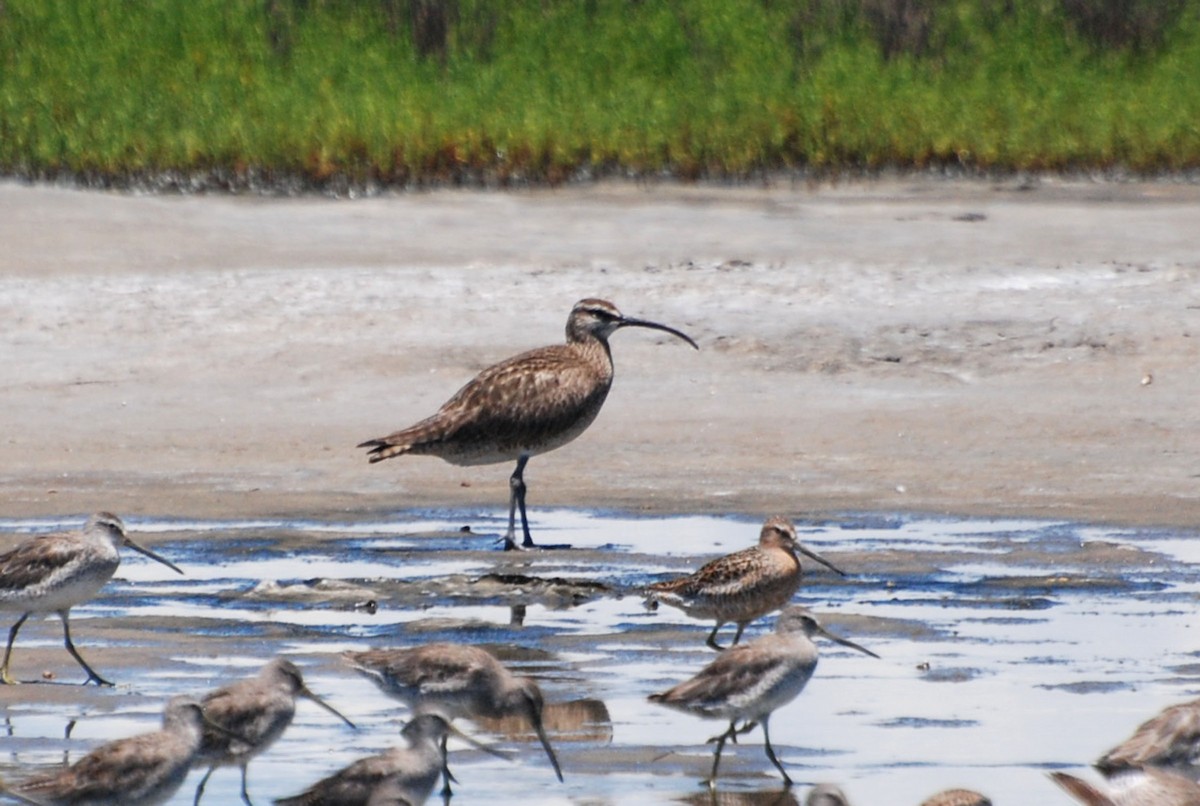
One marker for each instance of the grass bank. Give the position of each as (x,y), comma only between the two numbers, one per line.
(413,91)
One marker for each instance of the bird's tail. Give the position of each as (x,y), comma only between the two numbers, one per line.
(384,448)
(1081,790)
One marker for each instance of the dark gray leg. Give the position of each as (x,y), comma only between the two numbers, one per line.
(771,752)
(100,681)
(712,638)
(516,500)
(203,783)
(12,636)
(724,737)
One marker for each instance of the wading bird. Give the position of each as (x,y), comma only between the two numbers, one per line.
(52,573)
(530,404)
(750,681)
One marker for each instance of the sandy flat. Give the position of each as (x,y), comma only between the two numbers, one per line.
(963,347)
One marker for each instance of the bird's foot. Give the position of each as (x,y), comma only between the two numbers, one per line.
(98,680)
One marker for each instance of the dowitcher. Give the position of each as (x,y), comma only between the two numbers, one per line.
(957,797)
(52,573)
(742,586)
(455,681)
(750,681)
(1149,786)
(142,770)
(831,795)
(826,795)
(1169,738)
(402,775)
(254,713)
(530,404)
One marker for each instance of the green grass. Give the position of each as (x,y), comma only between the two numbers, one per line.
(543,89)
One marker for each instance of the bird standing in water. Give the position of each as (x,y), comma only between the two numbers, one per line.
(751,681)
(52,573)
(253,713)
(742,586)
(530,404)
(143,770)
(455,681)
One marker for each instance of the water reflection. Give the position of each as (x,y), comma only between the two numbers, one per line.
(766,797)
(989,630)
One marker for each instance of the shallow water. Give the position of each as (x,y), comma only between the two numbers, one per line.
(1009,648)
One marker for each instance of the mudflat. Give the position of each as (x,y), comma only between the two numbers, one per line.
(904,345)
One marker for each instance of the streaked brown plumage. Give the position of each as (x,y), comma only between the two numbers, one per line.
(143,770)
(402,775)
(254,713)
(751,681)
(52,573)
(1170,738)
(530,404)
(832,795)
(1150,786)
(742,586)
(957,797)
(455,681)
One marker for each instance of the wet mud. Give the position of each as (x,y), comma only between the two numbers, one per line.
(1009,648)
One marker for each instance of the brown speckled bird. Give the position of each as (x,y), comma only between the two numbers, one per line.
(742,586)
(253,713)
(1169,738)
(1150,786)
(52,573)
(530,404)
(402,775)
(957,797)
(455,681)
(144,770)
(750,682)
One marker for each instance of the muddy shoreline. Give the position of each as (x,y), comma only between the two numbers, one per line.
(965,347)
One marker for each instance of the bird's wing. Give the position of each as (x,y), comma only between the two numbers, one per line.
(720,576)
(738,672)
(240,711)
(121,767)
(34,560)
(1171,736)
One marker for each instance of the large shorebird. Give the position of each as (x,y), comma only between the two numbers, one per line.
(455,681)
(530,404)
(1149,786)
(750,681)
(143,770)
(52,573)
(254,713)
(1170,738)
(742,586)
(401,775)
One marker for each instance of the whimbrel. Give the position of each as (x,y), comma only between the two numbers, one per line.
(1170,738)
(52,573)
(530,404)
(143,770)
(455,681)
(401,775)
(742,586)
(750,681)
(254,713)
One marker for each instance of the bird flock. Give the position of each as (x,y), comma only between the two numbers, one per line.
(531,403)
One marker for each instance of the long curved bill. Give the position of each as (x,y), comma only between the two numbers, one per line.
(478,745)
(628,322)
(304,692)
(820,559)
(837,639)
(541,734)
(153,556)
